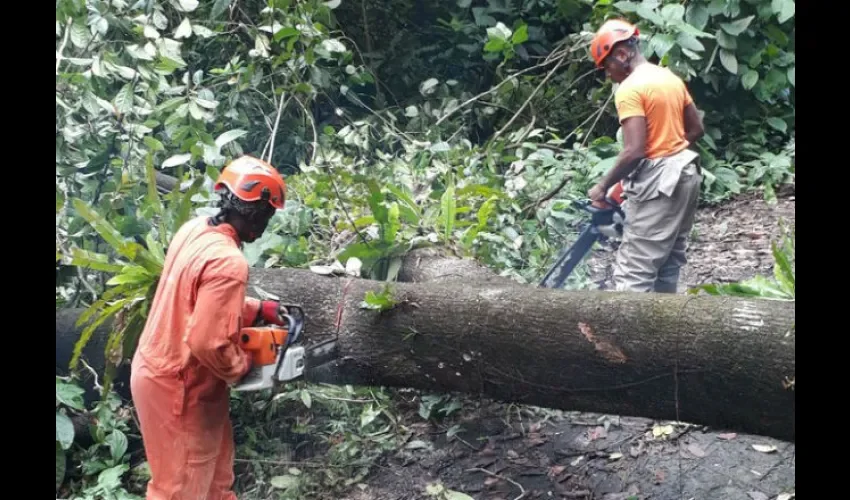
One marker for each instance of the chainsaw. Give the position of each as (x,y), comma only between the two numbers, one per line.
(606,221)
(277,354)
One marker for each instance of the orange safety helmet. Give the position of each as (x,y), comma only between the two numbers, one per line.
(610,33)
(252,179)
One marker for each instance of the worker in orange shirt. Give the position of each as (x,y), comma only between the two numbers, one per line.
(187,354)
(658,173)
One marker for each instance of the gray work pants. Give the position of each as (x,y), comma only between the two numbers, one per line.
(660,207)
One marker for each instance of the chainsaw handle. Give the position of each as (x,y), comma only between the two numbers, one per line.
(294,318)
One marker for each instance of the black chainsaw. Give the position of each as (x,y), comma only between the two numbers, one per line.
(606,221)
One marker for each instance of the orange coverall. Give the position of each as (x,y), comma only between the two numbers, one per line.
(185,360)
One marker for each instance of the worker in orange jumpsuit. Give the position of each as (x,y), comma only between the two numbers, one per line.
(187,354)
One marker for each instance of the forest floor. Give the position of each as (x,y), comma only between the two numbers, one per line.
(511,452)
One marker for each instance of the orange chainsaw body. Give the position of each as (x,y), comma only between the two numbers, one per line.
(262,343)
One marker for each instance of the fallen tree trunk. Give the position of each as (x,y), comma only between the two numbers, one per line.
(714,361)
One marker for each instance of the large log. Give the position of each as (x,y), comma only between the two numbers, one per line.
(715,361)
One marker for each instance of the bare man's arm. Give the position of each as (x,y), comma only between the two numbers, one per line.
(694,129)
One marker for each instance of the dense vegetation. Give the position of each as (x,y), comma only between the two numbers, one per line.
(468,124)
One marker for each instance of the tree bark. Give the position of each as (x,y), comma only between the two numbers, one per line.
(716,361)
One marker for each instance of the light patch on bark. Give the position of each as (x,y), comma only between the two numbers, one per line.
(490,293)
(748,317)
(608,350)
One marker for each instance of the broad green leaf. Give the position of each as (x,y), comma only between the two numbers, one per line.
(627,7)
(499,32)
(775,79)
(729,61)
(219,7)
(110,479)
(457,495)
(726,41)
(61,463)
(206,103)
(662,43)
(784,9)
(687,28)
(791,75)
(750,78)
(150,32)
(696,16)
(153,143)
(368,415)
(64,430)
(69,395)
(175,160)
(229,136)
(361,250)
(650,16)
(332,4)
(777,124)
(80,35)
(184,30)
(495,45)
(427,86)
(690,42)
(124,99)
(393,268)
(286,32)
(673,12)
(378,301)
(306,398)
(520,35)
(188,5)
(402,194)
(117,442)
(202,31)
(738,26)
(284,482)
(716,7)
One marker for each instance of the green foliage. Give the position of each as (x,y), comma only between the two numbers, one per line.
(104,463)
(437,407)
(68,397)
(382,301)
(348,428)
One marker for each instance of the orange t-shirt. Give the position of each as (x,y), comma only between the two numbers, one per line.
(661,97)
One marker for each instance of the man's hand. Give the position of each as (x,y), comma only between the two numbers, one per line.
(597,193)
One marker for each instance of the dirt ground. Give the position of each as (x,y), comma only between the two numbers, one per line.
(510,452)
